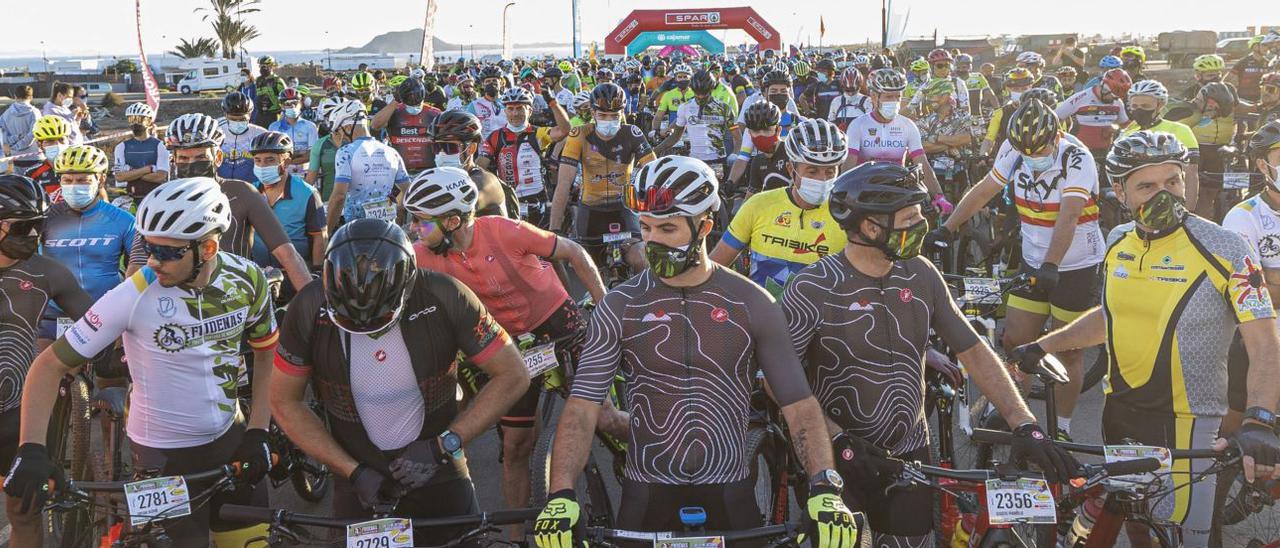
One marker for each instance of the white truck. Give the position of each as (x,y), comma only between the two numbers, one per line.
(213,74)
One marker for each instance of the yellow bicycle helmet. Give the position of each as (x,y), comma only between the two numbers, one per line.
(939,87)
(1136,51)
(919,65)
(1256,40)
(81,159)
(51,127)
(396,80)
(801,69)
(362,81)
(1209,63)
(1018,76)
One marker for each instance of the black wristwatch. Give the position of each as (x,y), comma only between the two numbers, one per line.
(1262,415)
(827,478)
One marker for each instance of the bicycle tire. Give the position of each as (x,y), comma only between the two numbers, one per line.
(1244,514)
(540,459)
(761,470)
(74,527)
(310,478)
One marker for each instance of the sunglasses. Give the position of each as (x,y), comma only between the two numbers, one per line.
(448,148)
(29,227)
(167,253)
(941,66)
(652,200)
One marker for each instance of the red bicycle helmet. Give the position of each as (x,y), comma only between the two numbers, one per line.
(850,79)
(1118,81)
(939,55)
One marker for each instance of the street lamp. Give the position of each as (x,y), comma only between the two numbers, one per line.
(506,41)
(44,55)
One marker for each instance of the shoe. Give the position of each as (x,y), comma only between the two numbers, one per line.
(1062,435)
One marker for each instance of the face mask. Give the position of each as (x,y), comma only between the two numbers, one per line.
(608,128)
(963,74)
(1145,118)
(901,244)
(469,95)
(822,77)
(682,84)
(780,100)
(765,143)
(668,262)
(66,103)
(449,160)
(1131,63)
(518,129)
(139,130)
(268,175)
(889,109)
(1015,95)
(291,113)
(52,151)
(80,196)
(1038,163)
(199,168)
(1162,212)
(238,126)
(412,110)
(815,191)
(19,247)
(490,90)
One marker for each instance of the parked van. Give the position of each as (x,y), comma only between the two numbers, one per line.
(213,74)
(96,89)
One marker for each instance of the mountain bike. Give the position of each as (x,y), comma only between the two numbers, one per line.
(284,527)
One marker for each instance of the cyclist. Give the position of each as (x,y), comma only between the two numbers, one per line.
(61,103)
(456,137)
(1147,101)
(237,136)
(686,437)
(884,136)
(1054,180)
(851,103)
(487,107)
(723,92)
(1212,120)
(551,82)
(29,283)
(669,101)
(304,133)
(519,288)
(777,90)
(1134,60)
(366,171)
(982,97)
(514,152)
(1034,62)
(917,76)
(1016,82)
(378,337)
(762,163)
(407,121)
(268,87)
(861,318)
(365,89)
(1175,312)
(945,133)
(435,96)
(52,134)
(183,318)
(1208,69)
(466,93)
(141,162)
(817,98)
(1268,106)
(1247,73)
(193,141)
(940,61)
(1098,111)
(320,169)
(708,123)
(295,203)
(786,229)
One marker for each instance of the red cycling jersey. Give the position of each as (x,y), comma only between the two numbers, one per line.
(409,135)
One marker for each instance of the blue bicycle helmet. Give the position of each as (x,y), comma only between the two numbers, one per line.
(1110,62)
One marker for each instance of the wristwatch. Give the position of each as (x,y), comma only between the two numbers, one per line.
(1262,415)
(827,478)
(451,444)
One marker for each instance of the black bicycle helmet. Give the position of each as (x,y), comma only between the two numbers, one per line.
(1033,126)
(1141,149)
(237,103)
(411,92)
(369,271)
(874,188)
(490,71)
(1264,140)
(553,72)
(1223,94)
(762,115)
(21,199)
(271,141)
(608,97)
(456,125)
(702,82)
(777,78)
(826,65)
(1044,95)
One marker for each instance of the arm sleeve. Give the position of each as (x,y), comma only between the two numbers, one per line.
(602,352)
(162,157)
(774,349)
(264,221)
(993,127)
(475,331)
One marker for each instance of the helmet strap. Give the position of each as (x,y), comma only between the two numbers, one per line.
(197,262)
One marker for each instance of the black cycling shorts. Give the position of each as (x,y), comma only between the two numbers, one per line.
(656,506)
(1076,292)
(589,224)
(905,512)
(455,497)
(561,327)
(10,423)
(1237,375)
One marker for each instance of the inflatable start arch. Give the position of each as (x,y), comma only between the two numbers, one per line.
(641,21)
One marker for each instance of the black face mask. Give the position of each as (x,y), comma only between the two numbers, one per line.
(779,99)
(1146,118)
(682,84)
(198,168)
(139,130)
(1132,63)
(490,90)
(19,247)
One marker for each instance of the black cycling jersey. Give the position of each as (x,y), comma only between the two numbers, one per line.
(689,358)
(768,171)
(864,339)
(26,289)
(496,197)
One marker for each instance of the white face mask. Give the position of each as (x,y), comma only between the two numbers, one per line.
(608,128)
(67,102)
(238,126)
(52,151)
(889,109)
(449,160)
(1038,163)
(815,191)
(1015,95)
(517,129)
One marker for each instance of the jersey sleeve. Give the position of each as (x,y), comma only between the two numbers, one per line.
(342,166)
(993,127)
(118,163)
(476,333)
(137,253)
(602,352)
(682,115)
(1246,288)
(103,322)
(315,216)
(743,223)
(402,174)
(294,351)
(489,148)
(773,347)
(853,137)
(642,146)
(162,157)
(571,154)
(947,319)
(1002,167)
(801,299)
(66,291)
(1068,108)
(313,163)
(260,324)
(915,148)
(1239,221)
(528,237)
(1082,175)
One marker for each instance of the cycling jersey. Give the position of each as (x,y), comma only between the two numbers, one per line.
(934,126)
(766,171)
(237,162)
(250,215)
(517,159)
(1211,131)
(670,102)
(132,154)
(44,176)
(490,113)
(1259,224)
(873,140)
(958,86)
(688,357)
(304,134)
(605,166)
(90,243)
(790,115)
(301,215)
(1051,82)
(323,156)
(725,95)
(1178,130)
(820,96)
(1095,119)
(782,237)
(1038,197)
(27,288)
(976,83)
(847,107)
(740,83)
(707,128)
(863,342)
(371,169)
(1249,71)
(183,347)
(1171,304)
(410,135)
(505,267)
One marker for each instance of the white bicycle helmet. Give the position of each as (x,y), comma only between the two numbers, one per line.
(193,130)
(582,101)
(818,142)
(418,73)
(324,110)
(1151,88)
(1031,58)
(886,80)
(140,109)
(516,95)
(347,113)
(441,191)
(681,69)
(184,209)
(673,186)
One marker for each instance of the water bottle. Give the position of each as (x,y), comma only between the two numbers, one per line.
(1086,516)
(693,517)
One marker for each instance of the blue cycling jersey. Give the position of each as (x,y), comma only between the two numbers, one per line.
(90,244)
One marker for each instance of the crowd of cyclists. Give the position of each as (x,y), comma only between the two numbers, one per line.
(786,220)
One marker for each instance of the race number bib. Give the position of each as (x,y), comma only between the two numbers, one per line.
(540,358)
(1119,453)
(1025,500)
(380,533)
(981,290)
(690,542)
(157,498)
(383,210)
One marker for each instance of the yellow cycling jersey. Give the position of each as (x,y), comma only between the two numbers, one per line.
(1179,130)
(782,237)
(1171,305)
(672,99)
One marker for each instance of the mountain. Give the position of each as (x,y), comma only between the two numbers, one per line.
(410,40)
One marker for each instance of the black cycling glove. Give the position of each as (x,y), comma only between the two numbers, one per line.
(29,476)
(1031,443)
(254,456)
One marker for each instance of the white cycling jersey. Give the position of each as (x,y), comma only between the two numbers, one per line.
(183,348)
(706,128)
(873,140)
(1260,225)
(372,169)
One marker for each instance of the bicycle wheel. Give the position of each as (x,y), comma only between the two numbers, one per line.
(540,460)
(72,527)
(762,472)
(1247,512)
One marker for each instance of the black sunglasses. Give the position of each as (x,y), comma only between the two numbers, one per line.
(166,253)
(448,148)
(26,227)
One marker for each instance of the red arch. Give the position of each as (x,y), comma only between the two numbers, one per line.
(639,21)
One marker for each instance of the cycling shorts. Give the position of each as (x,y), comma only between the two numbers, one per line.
(1237,375)
(656,506)
(561,327)
(1077,291)
(10,423)
(590,223)
(1193,505)
(455,497)
(1211,166)
(906,514)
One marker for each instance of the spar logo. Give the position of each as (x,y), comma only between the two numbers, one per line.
(695,18)
(626,30)
(759,27)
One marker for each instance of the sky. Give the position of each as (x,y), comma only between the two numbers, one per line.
(107,26)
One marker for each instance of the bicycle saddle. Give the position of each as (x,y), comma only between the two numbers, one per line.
(1049,369)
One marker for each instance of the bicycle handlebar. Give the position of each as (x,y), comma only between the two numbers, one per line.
(606,533)
(999,437)
(256,514)
(225,471)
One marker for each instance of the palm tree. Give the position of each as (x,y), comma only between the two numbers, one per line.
(199,47)
(228,26)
